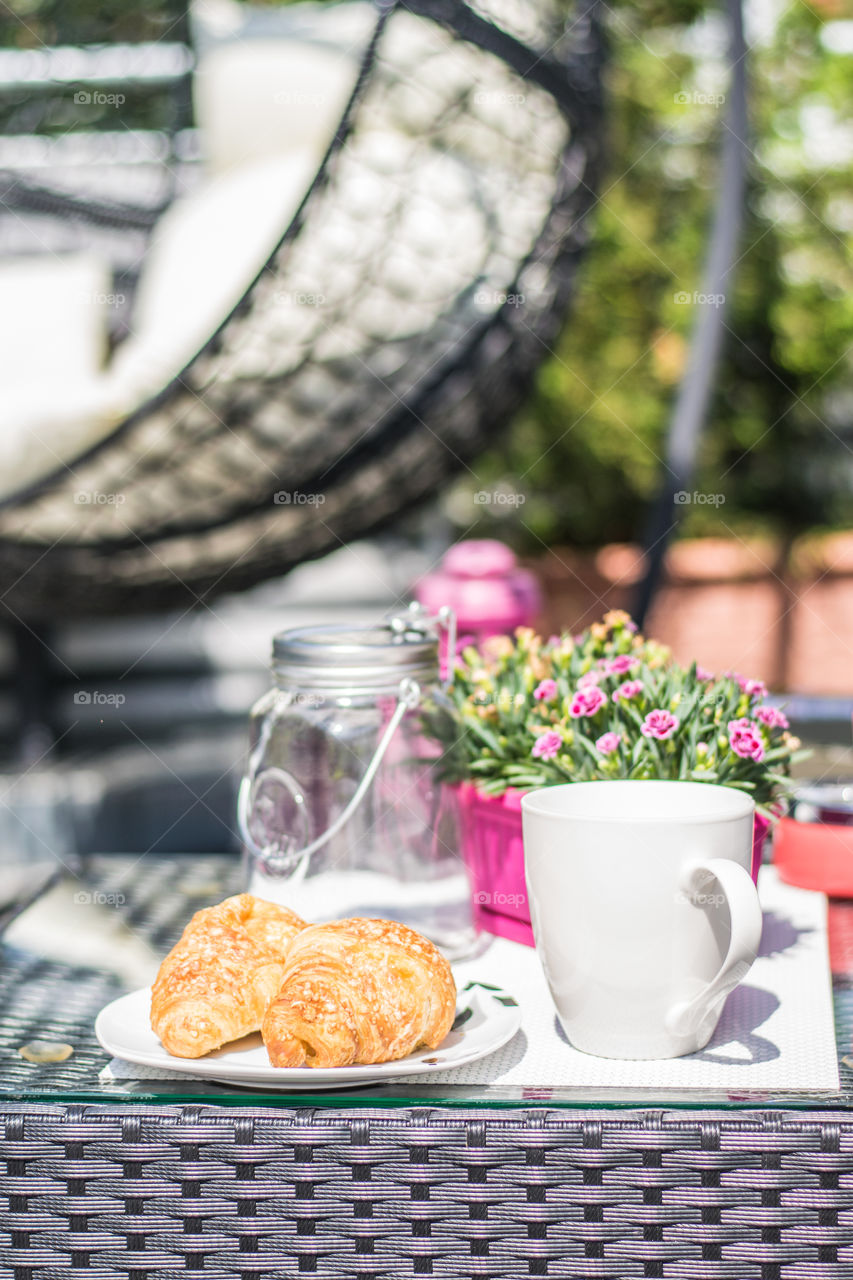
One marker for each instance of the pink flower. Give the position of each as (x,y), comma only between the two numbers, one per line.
(748,747)
(591,677)
(587,701)
(702,673)
(741,726)
(772,718)
(545,690)
(547,745)
(619,665)
(753,688)
(659,724)
(608,742)
(628,689)
(745,739)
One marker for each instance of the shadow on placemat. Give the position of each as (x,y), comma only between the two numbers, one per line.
(745,1009)
(779,934)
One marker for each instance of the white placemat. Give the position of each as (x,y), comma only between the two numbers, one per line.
(776,1031)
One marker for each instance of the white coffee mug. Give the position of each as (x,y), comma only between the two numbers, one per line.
(643,909)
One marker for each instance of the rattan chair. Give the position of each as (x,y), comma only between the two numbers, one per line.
(296,429)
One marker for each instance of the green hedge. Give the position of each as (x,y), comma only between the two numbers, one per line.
(585,452)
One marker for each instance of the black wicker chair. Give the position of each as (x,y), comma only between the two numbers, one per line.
(400,379)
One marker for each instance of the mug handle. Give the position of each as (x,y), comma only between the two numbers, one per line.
(688,1016)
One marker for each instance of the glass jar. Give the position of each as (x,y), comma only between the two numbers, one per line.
(340,811)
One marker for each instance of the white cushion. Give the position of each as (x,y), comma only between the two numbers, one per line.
(52,345)
(267,110)
(208,249)
(261,98)
(55,400)
(52,318)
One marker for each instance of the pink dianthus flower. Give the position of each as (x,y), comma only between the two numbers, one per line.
(659,724)
(547,745)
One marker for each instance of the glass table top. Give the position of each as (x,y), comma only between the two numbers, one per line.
(101,933)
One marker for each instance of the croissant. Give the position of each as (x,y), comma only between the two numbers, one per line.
(216,982)
(358,991)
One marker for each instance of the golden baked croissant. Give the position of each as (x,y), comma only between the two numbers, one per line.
(216,982)
(358,991)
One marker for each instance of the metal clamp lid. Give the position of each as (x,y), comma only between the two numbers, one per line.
(364,658)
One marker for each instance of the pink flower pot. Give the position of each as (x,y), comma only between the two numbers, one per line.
(490,829)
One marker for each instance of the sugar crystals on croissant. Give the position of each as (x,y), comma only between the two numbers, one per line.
(358,991)
(216,982)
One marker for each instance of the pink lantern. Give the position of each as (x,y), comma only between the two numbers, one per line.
(481,581)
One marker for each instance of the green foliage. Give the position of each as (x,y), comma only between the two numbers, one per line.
(52,110)
(606,704)
(31,24)
(586,449)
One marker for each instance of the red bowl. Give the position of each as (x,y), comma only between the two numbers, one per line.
(815,855)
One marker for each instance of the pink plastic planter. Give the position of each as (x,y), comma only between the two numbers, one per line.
(492,846)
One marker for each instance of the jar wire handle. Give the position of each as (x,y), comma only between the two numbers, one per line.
(417,617)
(408,697)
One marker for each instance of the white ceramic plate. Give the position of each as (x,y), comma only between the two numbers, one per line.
(486,1017)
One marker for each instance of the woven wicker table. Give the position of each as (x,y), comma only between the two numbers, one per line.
(183,1179)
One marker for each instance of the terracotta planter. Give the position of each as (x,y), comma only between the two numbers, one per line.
(490,828)
(748,605)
